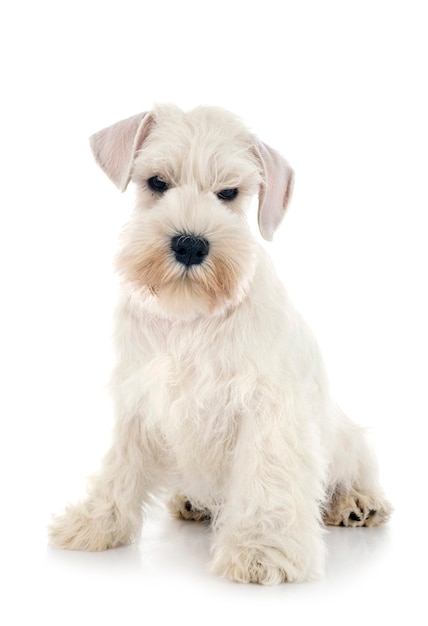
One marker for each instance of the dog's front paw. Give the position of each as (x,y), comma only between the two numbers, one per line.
(83,527)
(265,565)
(252,566)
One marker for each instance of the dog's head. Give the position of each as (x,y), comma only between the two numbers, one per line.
(188,248)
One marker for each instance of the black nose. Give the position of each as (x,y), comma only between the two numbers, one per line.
(189,250)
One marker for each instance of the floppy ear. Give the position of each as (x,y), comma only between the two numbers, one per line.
(115,147)
(275,190)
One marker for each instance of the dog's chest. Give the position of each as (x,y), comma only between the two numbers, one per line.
(190,401)
(183,378)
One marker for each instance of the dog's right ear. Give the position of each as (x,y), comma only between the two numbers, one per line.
(115,147)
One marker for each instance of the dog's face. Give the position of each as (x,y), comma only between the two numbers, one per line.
(188,249)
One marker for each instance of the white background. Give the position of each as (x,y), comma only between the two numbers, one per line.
(340,88)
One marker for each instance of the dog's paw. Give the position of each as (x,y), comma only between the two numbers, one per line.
(357,509)
(264,565)
(83,527)
(182,508)
(252,566)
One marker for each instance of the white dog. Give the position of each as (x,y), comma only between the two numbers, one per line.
(220,391)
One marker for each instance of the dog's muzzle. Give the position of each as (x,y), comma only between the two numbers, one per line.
(189,249)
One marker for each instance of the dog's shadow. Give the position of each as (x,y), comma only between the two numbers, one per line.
(169,546)
(350,551)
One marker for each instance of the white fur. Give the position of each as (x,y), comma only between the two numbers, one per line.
(220,391)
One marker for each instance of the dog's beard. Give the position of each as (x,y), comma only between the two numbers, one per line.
(220,282)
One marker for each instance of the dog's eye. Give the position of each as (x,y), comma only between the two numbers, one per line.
(227,194)
(157,184)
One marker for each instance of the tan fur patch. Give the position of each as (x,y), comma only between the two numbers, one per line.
(206,287)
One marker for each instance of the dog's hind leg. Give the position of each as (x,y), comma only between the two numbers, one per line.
(182,508)
(354,496)
(356,508)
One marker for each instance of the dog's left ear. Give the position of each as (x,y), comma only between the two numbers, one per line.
(115,147)
(275,190)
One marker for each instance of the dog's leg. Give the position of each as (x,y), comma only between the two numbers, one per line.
(355,496)
(270,529)
(111,514)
